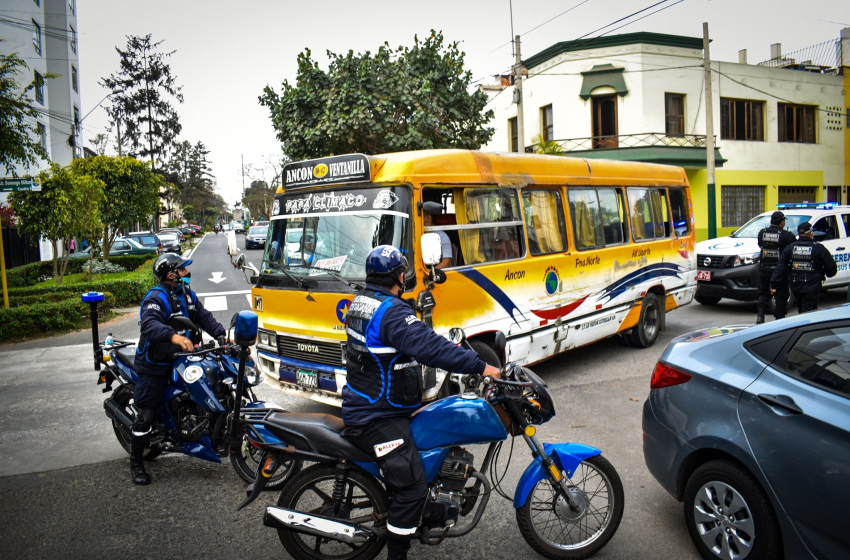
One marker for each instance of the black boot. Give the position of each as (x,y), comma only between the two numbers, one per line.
(760,320)
(397,546)
(137,468)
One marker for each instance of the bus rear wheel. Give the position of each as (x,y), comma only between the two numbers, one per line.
(645,333)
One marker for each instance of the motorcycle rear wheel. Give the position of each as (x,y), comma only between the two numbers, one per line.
(123,396)
(545,521)
(247,460)
(310,492)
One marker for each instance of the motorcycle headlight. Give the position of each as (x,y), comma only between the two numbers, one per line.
(741,260)
(253,377)
(191,374)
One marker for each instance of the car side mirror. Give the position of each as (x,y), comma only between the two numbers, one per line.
(432,249)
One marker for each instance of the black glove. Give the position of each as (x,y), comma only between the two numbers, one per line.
(222,341)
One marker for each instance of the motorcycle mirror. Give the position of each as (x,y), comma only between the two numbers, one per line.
(183,323)
(439,276)
(457,335)
(233,319)
(500,342)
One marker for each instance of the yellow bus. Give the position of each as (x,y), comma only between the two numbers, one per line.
(547,253)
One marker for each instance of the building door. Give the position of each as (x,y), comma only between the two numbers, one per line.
(605,121)
(788,195)
(833,194)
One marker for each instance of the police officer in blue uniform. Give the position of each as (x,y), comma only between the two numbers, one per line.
(386,345)
(159,342)
(809,264)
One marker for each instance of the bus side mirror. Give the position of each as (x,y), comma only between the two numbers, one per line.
(231,243)
(432,249)
(240,262)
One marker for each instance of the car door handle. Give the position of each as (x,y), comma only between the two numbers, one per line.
(840,248)
(782,401)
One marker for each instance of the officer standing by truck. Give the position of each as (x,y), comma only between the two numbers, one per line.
(809,264)
(773,240)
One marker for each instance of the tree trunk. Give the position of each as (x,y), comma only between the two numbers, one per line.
(55,263)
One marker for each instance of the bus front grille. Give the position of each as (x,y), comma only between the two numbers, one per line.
(320,352)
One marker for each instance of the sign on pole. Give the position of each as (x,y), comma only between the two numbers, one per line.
(14,184)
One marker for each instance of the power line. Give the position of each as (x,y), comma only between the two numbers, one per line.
(539,26)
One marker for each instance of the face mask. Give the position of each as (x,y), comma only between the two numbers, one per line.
(186,279)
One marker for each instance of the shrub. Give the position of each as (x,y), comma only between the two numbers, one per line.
(40,317)
(105,267)
(28,274)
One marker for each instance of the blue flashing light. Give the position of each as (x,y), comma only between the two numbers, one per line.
(92,297)
(246,328)
(809,205)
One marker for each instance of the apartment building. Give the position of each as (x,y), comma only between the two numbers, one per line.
(780,126)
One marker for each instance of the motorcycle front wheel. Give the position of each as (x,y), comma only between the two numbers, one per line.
(247,460)
(310,492)
(553,529)
(123,396)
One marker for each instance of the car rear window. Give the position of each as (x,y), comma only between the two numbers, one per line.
(259,230)
(147,240)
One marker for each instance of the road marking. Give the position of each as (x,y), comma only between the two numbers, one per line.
(217,303)
(237,292)
(250,303)
(217,278)
(189,256)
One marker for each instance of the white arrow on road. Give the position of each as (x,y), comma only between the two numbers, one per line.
(217,277)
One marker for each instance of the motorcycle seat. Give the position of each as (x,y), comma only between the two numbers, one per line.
(126,355)
(319,433)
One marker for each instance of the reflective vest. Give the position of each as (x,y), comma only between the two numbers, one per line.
(769,242)
(378,373)
(159,353)
(804,268)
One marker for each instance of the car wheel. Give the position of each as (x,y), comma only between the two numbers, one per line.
(729,515)
(707,300)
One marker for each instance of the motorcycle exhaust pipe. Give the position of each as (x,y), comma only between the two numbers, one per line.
(279,518)
(117,413)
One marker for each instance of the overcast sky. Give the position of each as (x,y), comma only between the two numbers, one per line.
(226,51)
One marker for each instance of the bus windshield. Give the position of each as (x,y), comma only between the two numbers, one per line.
(335,231)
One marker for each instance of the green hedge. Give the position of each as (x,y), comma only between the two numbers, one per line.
(17,322)
(28,274)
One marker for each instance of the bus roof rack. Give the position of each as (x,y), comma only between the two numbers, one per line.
(816,205)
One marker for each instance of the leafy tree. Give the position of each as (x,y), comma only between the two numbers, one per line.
(130,188)
(67,206)
(19,142)
(259,198)
(403,99)
(189,212)
(548,147)
(99,143)
(151,124)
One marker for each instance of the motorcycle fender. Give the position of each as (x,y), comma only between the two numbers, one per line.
(201,449)
(567,456)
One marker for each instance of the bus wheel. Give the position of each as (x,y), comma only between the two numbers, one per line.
(645,333)
(486,353)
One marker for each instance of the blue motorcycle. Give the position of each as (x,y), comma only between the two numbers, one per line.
(569,500)
(197,410)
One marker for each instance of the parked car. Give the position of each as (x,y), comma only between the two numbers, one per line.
(170,242)
(146,239)
(256,237)
(728,267)
(120,247)
(238,228)
(178,231)
(196,228)
(750,428)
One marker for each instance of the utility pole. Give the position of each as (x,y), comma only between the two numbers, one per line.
(709,136)
(3,267)
(118,124)
(520,128)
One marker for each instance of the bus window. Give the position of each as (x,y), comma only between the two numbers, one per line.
(501,237)
(597,217)
(679,210)
(648,216)
(544,218)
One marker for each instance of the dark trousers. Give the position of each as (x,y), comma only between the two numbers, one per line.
(781,296)
(404,476)
(807,301)
(147,397)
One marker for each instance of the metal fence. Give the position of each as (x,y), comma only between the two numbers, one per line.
(646,139)
(823,57)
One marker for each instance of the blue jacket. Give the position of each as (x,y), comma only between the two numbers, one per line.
(153,353)
(396,327)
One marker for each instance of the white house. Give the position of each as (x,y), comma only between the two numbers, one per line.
(779,126)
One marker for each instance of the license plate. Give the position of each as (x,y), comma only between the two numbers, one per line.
(704,275)
(307,379)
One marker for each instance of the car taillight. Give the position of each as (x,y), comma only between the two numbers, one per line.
(666,376)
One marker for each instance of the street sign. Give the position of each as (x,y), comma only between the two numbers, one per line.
(13,184)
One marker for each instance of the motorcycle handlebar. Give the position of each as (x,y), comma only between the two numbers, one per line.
(202,351)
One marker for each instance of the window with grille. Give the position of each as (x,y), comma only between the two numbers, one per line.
(796,123)
(42,135)
(39,87)
(77,127)
(674,114)
(738,204)
(74,78)
(36,36)
(547,122)
(73,38)
(741,119)
(514,132)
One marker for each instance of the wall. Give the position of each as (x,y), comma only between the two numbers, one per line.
(60,57)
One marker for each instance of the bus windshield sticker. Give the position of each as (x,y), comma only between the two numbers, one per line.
(334,264)
(349,168)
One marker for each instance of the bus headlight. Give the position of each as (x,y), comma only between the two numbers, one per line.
(267,338)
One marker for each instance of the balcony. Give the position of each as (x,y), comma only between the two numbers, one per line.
(685,150)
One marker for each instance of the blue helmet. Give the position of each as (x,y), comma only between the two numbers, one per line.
(385,260)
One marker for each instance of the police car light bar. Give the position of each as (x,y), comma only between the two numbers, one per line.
(816,205)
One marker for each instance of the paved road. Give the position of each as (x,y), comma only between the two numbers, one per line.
(52,418)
